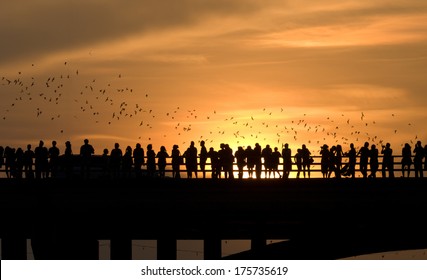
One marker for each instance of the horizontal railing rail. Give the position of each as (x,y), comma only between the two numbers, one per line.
(98,166)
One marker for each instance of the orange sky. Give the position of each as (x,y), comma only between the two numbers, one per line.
(241,72)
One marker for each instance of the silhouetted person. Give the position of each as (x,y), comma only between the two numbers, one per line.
(251,159)
(28,162)
(203,156)
(68,161)
(228,162)
(176,162)
(419,154)
(86,152)
(105,163)
(1,157)
(306,160)
(352,159)
(364,158)
(266,155)
(332,162)
(298,161)
(9,155)
(338,160)
(116,161)
(287,161)
(190,156)
(241,161)
(258,161)
(373,161)
(151,161)
(406,159)
(41,162)
(162,155)
(138,159)
(215,163)
(127,162)
(388,162)
(275,161)
(324,162)
(19,163)
(53,160)
(221,159)
(425,160)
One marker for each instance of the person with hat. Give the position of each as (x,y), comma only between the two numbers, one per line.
(86,152)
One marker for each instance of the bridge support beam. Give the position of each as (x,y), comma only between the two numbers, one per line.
(212,248)
(166,249)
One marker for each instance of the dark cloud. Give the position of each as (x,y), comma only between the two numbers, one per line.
(351,15)
(43,26)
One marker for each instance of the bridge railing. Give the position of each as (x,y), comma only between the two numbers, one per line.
(98,167)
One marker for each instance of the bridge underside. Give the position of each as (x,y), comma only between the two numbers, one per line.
(323,219)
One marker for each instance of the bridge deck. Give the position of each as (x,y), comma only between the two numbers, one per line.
(214,209)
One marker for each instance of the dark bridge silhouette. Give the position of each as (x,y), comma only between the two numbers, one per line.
(321,219)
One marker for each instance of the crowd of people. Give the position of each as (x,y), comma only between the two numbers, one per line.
(136,162)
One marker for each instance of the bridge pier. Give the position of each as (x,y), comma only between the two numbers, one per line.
(121,249)
(13,237)
(258,241)
(77,248)
(166,249)
(258,244)
(13,248)
(212,248)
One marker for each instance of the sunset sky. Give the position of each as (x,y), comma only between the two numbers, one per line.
(240,72)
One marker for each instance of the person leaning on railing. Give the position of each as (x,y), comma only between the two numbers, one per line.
(418,159)
(387,163)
